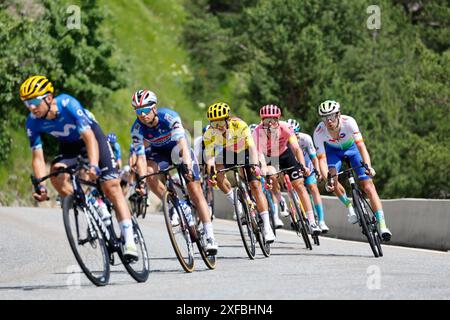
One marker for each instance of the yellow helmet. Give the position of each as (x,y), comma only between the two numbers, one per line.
(35,86)
(218,111)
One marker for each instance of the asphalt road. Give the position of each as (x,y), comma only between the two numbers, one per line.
(36,263)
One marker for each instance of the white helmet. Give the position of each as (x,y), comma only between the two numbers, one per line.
(294,125)
(252,127)
(329,107)
(143,98)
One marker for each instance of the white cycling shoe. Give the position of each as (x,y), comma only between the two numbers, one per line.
(130,251)
(351,216)
(211,246)
(278,223)
(315,230)
(268,235)
(385,234)
(283,208)
(323,227)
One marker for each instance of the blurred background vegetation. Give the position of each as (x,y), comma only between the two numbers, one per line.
(395,81)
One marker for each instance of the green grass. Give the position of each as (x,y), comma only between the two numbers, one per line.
(147,34)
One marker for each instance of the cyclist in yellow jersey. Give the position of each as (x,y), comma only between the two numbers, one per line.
(228,142)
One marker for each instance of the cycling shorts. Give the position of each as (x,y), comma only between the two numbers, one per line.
(335,157)
(286,160)
(230,159)
(164,158)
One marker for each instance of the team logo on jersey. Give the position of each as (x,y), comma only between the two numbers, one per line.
(29,132)
(342,135)
(65,132)
(65,102)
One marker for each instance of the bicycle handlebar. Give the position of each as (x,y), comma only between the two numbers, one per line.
(82,163)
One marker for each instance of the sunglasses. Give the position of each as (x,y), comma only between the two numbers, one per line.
(35,101)
(331,117)
(144,110)
(218,123)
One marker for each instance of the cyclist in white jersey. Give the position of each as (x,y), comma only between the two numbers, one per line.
(309,152)
(338,136)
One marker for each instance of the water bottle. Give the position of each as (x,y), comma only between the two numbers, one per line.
(187,212)
(100,207)
(103,211)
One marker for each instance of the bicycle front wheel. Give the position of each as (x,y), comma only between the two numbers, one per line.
(139,270)
(86,241)
(265,247)
(299,219)
(178,233)
(363,221)
(244,223)
(372,223)
(209,259)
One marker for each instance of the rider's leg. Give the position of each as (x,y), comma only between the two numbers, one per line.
(273,193)
(304,198)
(339,191)
(370,190)
(262,207)
(62,181)
(155,182)
(113,192)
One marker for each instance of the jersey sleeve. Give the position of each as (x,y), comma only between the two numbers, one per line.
(310,146)
(117,151)
(175,124)
(355,130)
(319,141)
(82,120)
(246,133)
(34,136)
(209,144)
(137,139)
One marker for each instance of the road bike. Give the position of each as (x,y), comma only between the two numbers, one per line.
(188,230)
(363,210)
(249,221)
(299,221)
(92,241)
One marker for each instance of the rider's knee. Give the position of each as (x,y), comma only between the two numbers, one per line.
(369,187)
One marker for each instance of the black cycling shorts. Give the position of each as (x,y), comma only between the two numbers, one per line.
(69,152)
(286,160)
(230,159)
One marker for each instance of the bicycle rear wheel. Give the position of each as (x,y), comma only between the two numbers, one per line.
(244,224)
(363,221)
(179,234)
(139,270)
(86,241)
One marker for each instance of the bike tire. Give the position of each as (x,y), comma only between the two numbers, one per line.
(358,203)
(271,212)
(265,247)
(73,217)
(209,260)
(373,224)
(139,270)
(245,230)
(300,220)
(180,236)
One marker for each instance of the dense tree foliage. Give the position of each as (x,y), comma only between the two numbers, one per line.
(393,80)
(35,39)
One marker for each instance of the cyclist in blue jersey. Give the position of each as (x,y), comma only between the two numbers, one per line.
(162,131)
(78,133)
(115,146)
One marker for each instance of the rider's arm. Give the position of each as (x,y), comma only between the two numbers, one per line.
(364,153)
(38,163)
(185,152)
(141,165)
(293,144)
(323,166)
(89,139)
